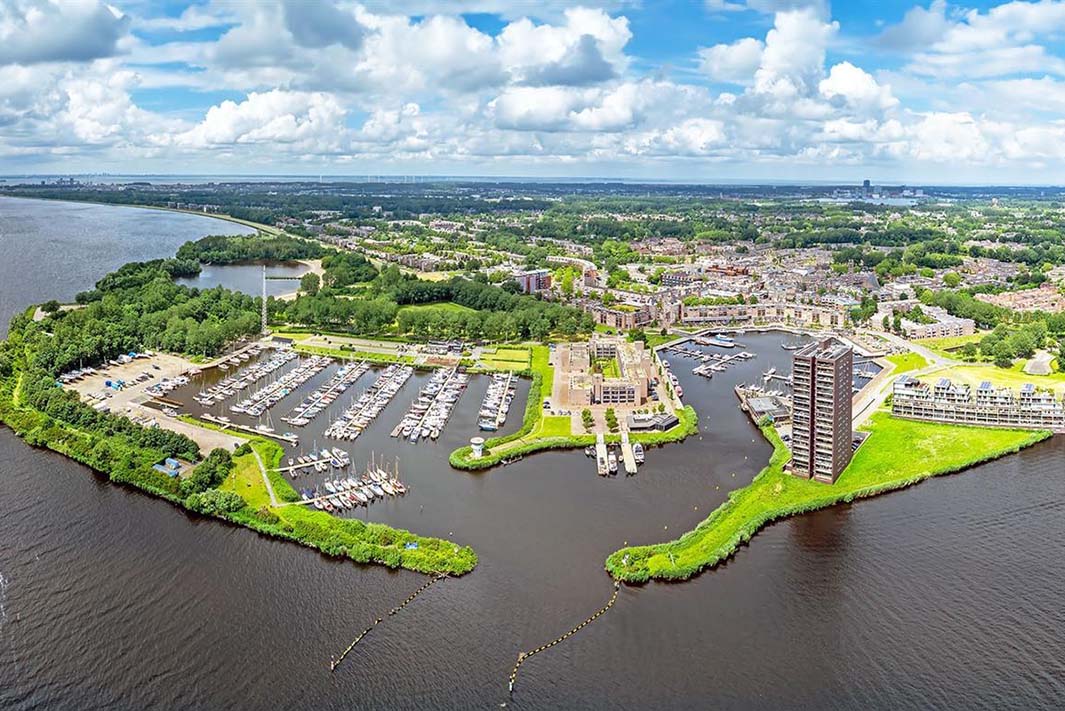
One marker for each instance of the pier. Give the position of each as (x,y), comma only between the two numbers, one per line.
(326,394)
(287,438)
(418,422)
(523,656)
(304,465)
(336,661)
(600,454)
(627,456)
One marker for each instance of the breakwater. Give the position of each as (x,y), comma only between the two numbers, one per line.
(523,656)
(336,661)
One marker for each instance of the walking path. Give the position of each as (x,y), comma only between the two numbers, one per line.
(266,479)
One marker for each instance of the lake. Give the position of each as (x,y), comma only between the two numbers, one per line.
(946,595)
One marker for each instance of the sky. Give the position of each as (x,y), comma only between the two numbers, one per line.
(933,92)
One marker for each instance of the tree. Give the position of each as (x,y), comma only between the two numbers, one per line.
(951,279)
(50,307)
(310,283)
(886,323)
(1003,355)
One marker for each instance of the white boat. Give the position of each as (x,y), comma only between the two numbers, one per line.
(637,453)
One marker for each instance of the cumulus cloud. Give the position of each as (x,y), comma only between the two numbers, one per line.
(34,31)
(920,27)
(301,121)
(856,88)
(588,47)
(735,62)
(318,23)
(413,83)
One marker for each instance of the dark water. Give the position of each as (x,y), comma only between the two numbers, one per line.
(248,278)
(53,250)
(946,595)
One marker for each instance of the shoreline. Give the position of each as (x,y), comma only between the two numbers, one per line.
(269,229)
(750,508)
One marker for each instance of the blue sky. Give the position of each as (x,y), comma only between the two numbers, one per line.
(930,91)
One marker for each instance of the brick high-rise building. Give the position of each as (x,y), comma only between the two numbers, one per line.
(822,376)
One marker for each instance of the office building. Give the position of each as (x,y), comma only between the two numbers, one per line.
(822,376)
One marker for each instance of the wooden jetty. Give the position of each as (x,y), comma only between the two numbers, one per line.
(289,439)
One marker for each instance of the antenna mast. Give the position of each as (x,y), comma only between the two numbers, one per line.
(264,300)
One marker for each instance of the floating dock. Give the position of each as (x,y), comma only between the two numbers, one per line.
(287,438)
(627,456)
(600,454)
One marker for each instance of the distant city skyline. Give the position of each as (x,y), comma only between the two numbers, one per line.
(754,91)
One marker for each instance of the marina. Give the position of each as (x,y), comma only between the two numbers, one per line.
(349,490)
(497,401)
(268,396)
(369,405)
(710,362)
(232,384)
(432,408)
(326,394)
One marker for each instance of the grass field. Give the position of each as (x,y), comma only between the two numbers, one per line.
(947,347)
(247,481)
(930,449)
(506,359)
(1014,377)
(438,306)
(905,362)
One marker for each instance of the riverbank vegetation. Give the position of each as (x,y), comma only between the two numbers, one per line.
(932,449)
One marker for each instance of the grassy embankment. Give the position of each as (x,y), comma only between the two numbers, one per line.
(878,466)
(540,432)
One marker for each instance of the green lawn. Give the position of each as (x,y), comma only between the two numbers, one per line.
(439,306)
(247,481)
(930,449)
(905,362)
(506,359)
(948,347)
(1014,377)
(549,426)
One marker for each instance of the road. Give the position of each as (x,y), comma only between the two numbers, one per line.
(877,391)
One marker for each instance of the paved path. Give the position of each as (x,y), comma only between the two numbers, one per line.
(266,479)
(1040,364)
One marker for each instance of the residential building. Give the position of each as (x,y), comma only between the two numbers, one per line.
(821,437)
(1030,408)
(534,281)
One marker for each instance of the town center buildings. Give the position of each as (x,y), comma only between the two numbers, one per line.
(604,371)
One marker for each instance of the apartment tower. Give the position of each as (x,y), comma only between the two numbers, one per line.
(822,375)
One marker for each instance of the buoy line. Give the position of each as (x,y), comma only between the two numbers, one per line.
(523,656)
(335,661)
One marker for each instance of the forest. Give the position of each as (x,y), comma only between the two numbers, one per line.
(230,249)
